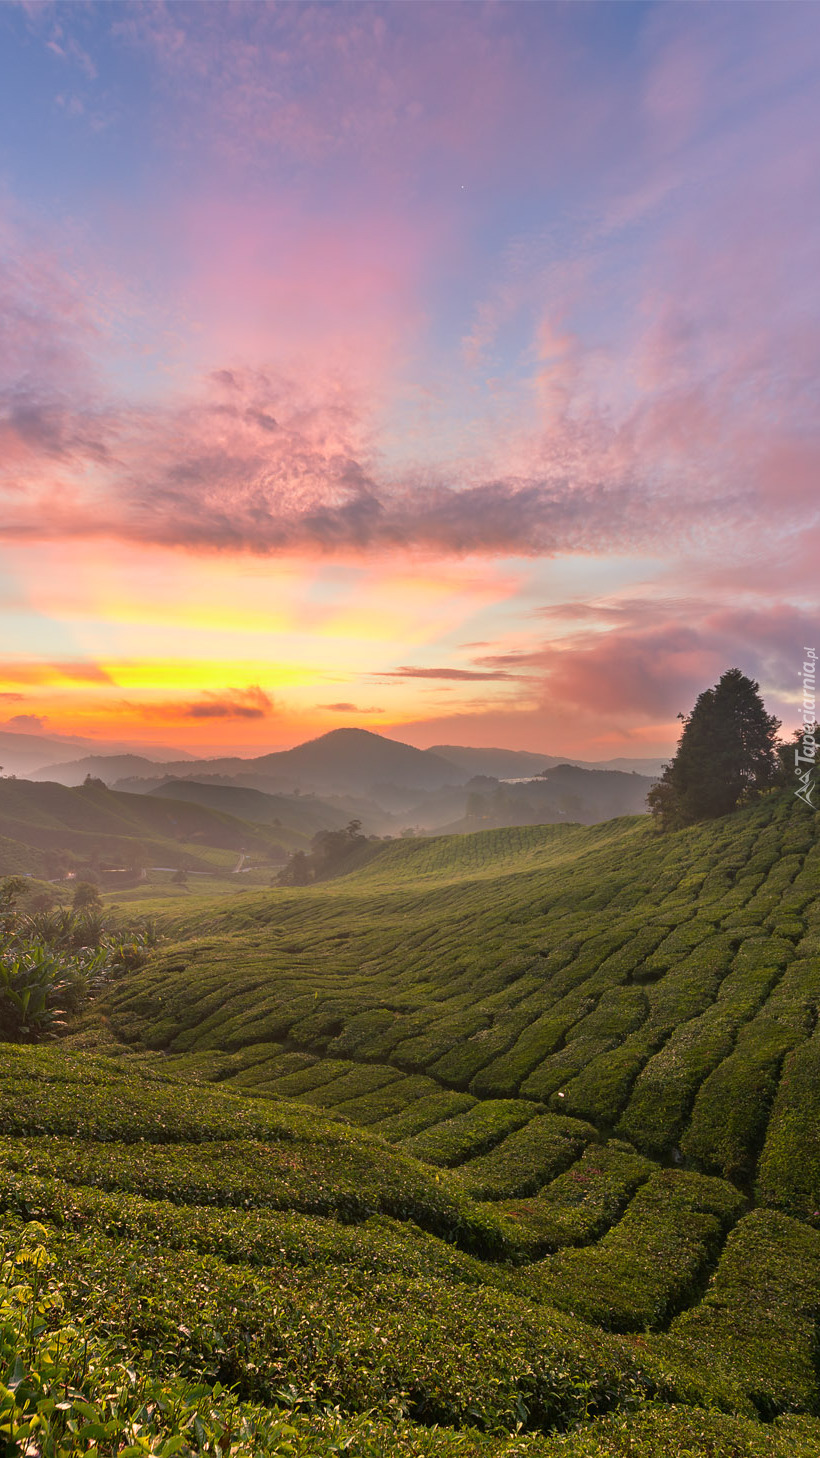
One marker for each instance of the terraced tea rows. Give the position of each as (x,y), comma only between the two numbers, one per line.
(662,990)
(214,1239)
(531,1148)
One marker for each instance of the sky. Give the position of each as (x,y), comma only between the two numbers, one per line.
(447,370)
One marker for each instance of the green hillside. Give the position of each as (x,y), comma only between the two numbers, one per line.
(46,821)
(296,817)
(662,989)
(505,1143)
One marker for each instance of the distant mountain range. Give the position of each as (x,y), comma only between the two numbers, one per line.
(343,761)
(24,754)
(339,762)
(509,764)
(566,792)
(198,813)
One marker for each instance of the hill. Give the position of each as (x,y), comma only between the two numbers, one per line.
(656,987)
(107,767)
(247,1276)
(357,759)
(499,764)
(25,754)
(564,793)
(509,764)
(386,784)
(22,753)
(302,815)
(343,761)
(502,1144)
(111,768)
(47,827)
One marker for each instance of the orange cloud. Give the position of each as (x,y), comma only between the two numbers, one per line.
(248,703)
(467,675)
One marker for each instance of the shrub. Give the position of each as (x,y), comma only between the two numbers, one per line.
(470,1133)
(759,1313)
(789,1169)
(526,1160)
(730,1112)
(649,1264)
(583,1202)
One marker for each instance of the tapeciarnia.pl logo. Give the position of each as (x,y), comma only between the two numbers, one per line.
(806,751)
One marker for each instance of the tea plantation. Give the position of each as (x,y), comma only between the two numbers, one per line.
(504,1144)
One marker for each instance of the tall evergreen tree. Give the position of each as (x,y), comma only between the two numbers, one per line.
(726,755)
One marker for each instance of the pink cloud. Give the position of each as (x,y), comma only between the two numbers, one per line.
(635,677)
(315,83)
(660,400)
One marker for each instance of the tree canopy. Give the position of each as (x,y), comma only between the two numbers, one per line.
(726,755)
(329,852)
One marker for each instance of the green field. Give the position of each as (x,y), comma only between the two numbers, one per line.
(506,1143)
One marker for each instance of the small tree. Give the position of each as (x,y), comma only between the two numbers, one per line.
(330,851)
(297,872)
(11,890)
(86,896)
(726,756)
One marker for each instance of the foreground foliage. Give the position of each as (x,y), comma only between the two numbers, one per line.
(192,1271)
(52,961)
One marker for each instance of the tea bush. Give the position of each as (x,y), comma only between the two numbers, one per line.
(651,1263)
(789,1169)
(579,1205)
(526,1160)
(759,1315)
(470,1133)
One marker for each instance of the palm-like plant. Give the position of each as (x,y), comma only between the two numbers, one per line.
(51,962)
(32,987)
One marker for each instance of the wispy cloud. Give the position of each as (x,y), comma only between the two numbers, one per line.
(520,282)
(24,721)
(456,675)
(248,703)
(344,708)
